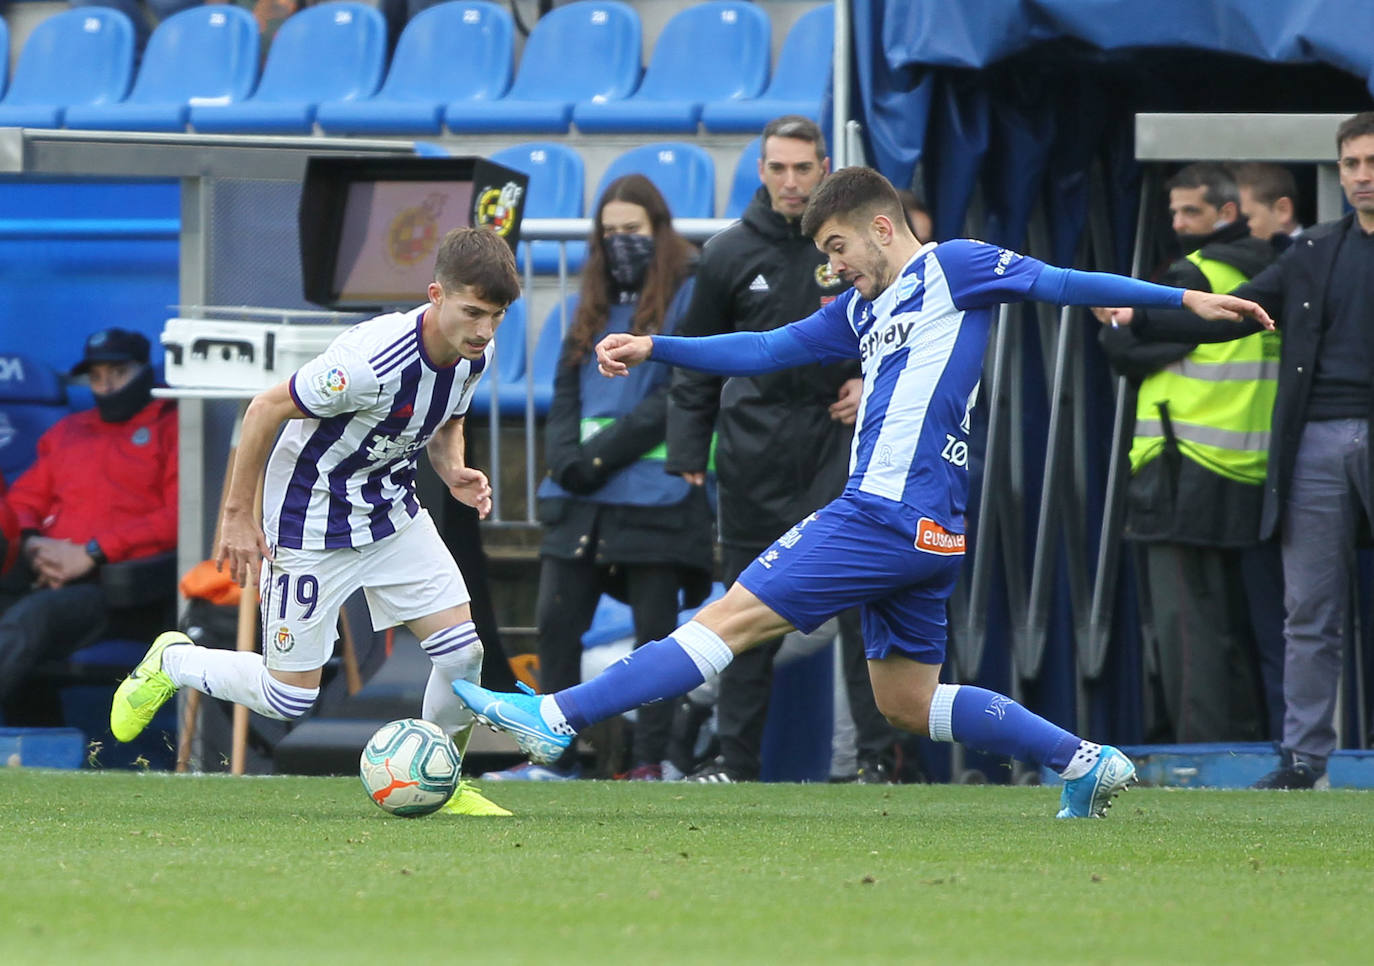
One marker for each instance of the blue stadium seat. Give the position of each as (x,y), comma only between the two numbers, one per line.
(799,79)
(79,56)
(713,51)
(684,173)
(4,55)
(336,51)
(203,54)
(746,180)
(510,364)
(458,51)
(32,398)
(580,52)
(548,350)
(556,187)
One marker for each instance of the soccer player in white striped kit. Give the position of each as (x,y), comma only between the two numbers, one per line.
(339,506)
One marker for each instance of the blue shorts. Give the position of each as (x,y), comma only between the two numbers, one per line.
(899,568)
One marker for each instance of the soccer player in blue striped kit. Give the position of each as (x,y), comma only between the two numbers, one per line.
(917,318)
(339,507)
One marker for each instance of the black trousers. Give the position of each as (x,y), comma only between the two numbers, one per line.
(747,684)
(568,593)
(44,624)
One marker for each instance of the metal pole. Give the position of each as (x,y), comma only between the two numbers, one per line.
(840,83)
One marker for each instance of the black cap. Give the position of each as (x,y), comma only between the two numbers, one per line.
(112,345)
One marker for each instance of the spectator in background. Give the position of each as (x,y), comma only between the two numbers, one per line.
(784,437)
(917,216)
(1317,493)
(103,489)
(1269,202)
(1197,469)
(614,521)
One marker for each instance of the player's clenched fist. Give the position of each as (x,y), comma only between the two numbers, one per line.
(616,353)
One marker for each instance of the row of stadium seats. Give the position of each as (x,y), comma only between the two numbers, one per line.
(452,67)
(683,172)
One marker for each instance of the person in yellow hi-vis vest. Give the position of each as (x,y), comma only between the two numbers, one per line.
(1198,460)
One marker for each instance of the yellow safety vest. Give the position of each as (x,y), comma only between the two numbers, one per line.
(1219,398)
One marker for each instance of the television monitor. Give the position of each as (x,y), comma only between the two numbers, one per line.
(370,227)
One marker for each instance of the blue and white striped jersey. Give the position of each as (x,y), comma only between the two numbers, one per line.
(920,345)
(346,476)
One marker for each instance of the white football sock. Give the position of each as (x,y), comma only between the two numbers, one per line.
(1082,762)
(456,654)
(237,676)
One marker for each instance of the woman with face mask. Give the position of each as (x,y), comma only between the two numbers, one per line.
(614,521)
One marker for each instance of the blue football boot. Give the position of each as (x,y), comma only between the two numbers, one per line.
(1091,795)
(517,715)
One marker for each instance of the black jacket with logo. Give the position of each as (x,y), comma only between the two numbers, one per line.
(779,454)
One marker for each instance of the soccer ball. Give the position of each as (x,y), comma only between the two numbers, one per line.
(410,767)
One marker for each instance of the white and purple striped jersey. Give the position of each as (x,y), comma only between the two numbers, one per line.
(346,476)
(920,345)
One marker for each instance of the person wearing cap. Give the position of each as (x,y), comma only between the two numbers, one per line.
(103,489)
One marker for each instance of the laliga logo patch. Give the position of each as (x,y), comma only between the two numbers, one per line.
(283,639)
(498,207)
(333,381)
(825,278)
(414,232)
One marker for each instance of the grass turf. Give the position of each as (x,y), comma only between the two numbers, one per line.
(118,867)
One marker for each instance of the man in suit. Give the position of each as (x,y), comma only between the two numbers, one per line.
(1321,294)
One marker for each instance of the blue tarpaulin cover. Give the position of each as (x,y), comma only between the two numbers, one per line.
(992,110)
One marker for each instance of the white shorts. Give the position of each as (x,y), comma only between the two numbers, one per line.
(407,575)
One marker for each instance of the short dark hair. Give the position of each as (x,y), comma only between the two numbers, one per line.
(1221,187)
(480,260)
(793,126)
(1356,126)
(854,195)
(1267,182)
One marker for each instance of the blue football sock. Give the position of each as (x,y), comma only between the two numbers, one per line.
(988,721)
(657,671)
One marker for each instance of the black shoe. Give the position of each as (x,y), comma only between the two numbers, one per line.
(873,771)
(1292,773)
(714,773)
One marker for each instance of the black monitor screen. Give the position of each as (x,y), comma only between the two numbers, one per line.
(370,227)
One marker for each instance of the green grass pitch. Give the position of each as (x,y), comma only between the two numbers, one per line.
(113,868)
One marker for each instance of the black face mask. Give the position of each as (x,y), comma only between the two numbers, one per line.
(627,259)
(124,404)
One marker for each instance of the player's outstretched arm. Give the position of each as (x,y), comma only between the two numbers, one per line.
(1220,307)
(619,351)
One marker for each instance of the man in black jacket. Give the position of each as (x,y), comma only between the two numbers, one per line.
(1321,294)
(1214,592)
(783,438)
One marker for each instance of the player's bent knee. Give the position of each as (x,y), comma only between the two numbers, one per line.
(283,701)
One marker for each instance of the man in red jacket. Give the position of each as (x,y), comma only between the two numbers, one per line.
(102,490)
